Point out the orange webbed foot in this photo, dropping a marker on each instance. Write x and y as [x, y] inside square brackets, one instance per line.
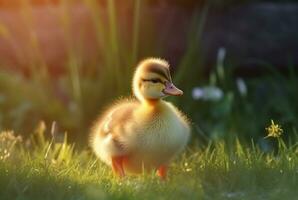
[117, 165]
[162, 172]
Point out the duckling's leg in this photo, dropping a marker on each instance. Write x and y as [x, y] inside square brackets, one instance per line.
[162, 172]
[117, 165]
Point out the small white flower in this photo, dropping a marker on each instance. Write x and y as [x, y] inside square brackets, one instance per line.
[242, 88]
[207, 93]
[197, 93]
[221, 54]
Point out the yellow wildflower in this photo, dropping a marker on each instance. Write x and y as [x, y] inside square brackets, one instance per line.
[274, 130]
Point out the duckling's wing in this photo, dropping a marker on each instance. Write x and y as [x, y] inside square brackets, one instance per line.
[113, 128]
[118, 118]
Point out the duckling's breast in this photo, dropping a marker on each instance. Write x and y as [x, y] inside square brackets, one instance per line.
[158, 141]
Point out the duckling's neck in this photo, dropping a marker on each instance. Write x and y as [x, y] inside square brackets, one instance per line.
[150, 110]
[153, 106]
[151, 102]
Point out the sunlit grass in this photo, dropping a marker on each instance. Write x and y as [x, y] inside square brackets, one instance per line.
[43, 168]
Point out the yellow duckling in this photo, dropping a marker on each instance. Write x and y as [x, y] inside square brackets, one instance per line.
[145, 133]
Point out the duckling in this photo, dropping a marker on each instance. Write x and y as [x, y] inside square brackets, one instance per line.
[144, 133]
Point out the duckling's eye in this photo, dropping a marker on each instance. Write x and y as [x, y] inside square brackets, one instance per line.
[154, 80]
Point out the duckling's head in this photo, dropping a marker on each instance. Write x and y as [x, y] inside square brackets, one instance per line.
[152, 80]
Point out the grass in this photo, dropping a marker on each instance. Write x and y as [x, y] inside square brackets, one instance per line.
[43, 168]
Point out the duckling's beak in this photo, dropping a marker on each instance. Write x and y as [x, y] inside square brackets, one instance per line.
[171, 89]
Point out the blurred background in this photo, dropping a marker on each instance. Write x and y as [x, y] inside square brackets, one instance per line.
[66, 60]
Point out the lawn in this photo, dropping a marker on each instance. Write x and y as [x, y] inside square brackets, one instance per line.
[41, 168]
